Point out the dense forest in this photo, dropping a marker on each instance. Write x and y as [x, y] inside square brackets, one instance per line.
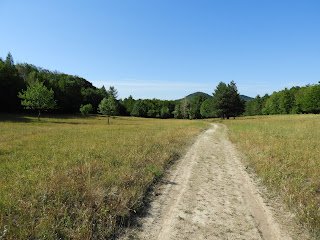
[25, 87]
[288, 101]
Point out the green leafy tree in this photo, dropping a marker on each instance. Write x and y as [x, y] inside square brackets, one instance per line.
[165, 112]
[300, 97]
[153, 113]
[86, 109]
[170, 105]
[177, 111]
[37, 97]
[254, 107]
[68, 93]
[140, 109]
[129, 104]
[249, 107]
[311, 100]
[264, 100]
[286, 101]
[257, 106]
[108, 106]
[207, 109]
[196, 106]
[91, 96]
[272, 104]
[185, 108]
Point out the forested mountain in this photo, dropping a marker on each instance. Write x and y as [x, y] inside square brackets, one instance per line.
[245, 98]
[191, 96]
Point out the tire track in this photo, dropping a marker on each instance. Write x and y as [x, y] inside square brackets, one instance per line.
[209, 195]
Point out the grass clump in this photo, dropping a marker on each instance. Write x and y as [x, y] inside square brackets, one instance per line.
[284, 151]
[76, 178]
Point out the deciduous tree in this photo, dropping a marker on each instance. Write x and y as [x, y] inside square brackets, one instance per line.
[37, 97]
[185, 108]
[196, 106]
[207, 109]
[86, 109]
[165, 112]
[177, 111]
[109, 107]
[140, 109]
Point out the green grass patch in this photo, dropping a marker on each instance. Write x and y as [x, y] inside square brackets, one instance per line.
[70, 177]
[284, 151]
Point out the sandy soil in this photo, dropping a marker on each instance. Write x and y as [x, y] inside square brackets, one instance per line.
[208, 194]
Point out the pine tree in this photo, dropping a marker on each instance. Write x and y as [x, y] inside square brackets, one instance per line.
[113, 92]
[220, 100]
[226, 100]
[9, 60]
[235, 103]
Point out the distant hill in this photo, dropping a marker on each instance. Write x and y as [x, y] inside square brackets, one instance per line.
[246, 98]
[191, 96]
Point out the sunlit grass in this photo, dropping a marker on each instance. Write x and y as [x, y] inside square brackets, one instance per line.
[285, 152]
[74, 177]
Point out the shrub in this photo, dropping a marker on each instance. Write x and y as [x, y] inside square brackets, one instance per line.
[86, 109]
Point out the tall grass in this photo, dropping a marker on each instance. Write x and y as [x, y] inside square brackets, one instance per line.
[79, 178]
[285, 152]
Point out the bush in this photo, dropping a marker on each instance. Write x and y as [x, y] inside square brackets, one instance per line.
[85, 109]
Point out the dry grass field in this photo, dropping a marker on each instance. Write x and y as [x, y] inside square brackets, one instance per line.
[285, 152]
[73, 177]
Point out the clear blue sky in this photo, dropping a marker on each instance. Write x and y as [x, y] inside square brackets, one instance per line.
[167, 49]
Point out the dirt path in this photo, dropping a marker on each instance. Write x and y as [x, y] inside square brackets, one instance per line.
[209, 195]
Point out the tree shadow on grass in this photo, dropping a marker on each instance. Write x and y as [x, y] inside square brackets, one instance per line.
[45, 118]
[5, 117]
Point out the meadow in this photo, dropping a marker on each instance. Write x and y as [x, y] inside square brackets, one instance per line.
[284, 151]
[71, 177]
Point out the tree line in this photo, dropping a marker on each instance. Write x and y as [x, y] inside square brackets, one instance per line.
[295, 100]
[25, 86]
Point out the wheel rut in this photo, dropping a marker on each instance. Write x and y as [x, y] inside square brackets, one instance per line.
[208, 194]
